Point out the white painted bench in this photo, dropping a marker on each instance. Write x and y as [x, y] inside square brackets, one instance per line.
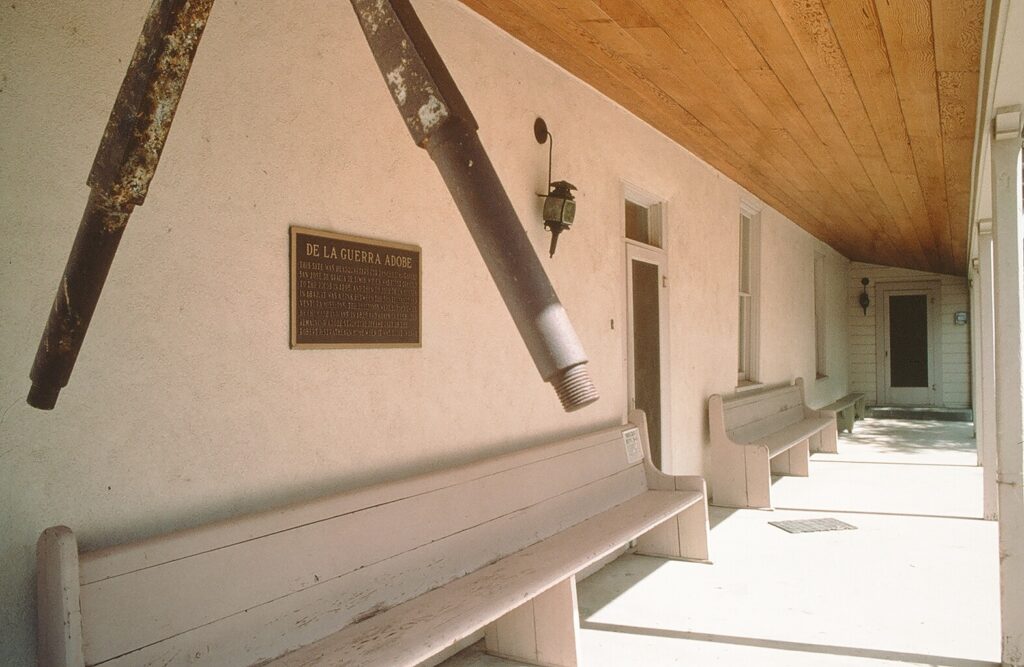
[846, 410]
[395, 574]
[759, 433]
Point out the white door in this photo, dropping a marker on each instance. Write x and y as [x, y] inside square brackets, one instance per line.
[647, 343]
[909, 345]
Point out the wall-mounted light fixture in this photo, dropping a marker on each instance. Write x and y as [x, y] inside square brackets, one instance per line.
[559, 204]
[864, 299]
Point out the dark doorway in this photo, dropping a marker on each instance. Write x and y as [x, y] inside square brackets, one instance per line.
[908, 340]
[647, 349]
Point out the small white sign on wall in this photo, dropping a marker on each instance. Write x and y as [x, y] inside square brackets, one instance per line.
[634, 449]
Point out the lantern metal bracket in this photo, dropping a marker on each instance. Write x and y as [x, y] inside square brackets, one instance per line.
[559, 204]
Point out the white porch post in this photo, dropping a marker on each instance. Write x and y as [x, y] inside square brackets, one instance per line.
[1007, 240]
[984, 344]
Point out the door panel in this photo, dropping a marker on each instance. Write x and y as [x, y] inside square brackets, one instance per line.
[908, 375]
[647, 349]
[647, 344]
[908, 340]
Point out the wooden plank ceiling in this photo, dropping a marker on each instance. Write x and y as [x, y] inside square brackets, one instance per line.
[855, 118]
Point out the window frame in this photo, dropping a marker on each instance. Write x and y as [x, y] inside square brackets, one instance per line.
[749, 300]
[656, 215]
[821, 365]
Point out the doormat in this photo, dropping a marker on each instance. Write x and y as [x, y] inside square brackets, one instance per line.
[812, 525]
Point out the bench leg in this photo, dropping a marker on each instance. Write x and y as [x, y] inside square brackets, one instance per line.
[684, 536]
[541, 631]
[847, 416]
[759, 477]
[795, 461]
[827, 439]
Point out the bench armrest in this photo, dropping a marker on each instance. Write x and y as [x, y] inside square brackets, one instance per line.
[686, 536]
[694, 483]
[656, 479]
[59, 630]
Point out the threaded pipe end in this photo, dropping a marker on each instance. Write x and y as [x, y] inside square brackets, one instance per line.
[43, 397]
[574, 388]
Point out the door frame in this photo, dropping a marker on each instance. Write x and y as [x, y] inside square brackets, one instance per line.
[932, 289]
[651, 255]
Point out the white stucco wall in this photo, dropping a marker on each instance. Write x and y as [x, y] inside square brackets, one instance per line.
[954, 349]
[187, 405]
[787, 310]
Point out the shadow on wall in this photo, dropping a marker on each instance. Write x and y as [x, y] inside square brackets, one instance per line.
[270, 500]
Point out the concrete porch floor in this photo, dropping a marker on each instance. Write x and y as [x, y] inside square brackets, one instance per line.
[916, 583]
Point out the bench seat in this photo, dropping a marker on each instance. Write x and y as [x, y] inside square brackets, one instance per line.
[392, 574]
[760, 433]
[438, 619]
[846, 411]
[792, 435]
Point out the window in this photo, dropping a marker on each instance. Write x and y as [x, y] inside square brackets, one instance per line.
[643, 222]
[748, 298]
[820, 326]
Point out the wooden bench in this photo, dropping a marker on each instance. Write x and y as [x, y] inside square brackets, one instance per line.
[757, 434]
[392, 574]
[846, 410]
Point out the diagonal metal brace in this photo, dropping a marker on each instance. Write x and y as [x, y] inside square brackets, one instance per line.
[121, 173]
[440, 121]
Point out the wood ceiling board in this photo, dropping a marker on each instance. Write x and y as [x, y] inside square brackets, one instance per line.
[687, 49]
[794, 102]
[761, 151]
[584, 10]
[689, 85]
[765, 28]
[859, 35]
[836, 199]
[619, 40]
[755, 178]
[626, 13]
[768, 88]
[811, 29]
[907, 29]
[757, 174]
[633, 91]
[958, 93]
[720, 25]
[957, 25]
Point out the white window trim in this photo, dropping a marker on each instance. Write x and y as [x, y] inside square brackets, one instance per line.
[657, 211]
[751, 208]
[821, 323]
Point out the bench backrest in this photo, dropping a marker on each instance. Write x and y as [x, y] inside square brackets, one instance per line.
[749, 416]
[247, 590]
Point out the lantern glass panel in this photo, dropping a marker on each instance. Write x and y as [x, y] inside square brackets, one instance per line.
[561, 210]
[568, 212]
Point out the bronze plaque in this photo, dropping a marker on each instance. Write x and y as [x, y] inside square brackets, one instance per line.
[348, 291]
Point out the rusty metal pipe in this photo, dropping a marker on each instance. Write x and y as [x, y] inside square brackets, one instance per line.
[91, 256]
[440, 121]
[121, 173]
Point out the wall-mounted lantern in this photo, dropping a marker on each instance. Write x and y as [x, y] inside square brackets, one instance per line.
[864, 299]
[559, 204]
